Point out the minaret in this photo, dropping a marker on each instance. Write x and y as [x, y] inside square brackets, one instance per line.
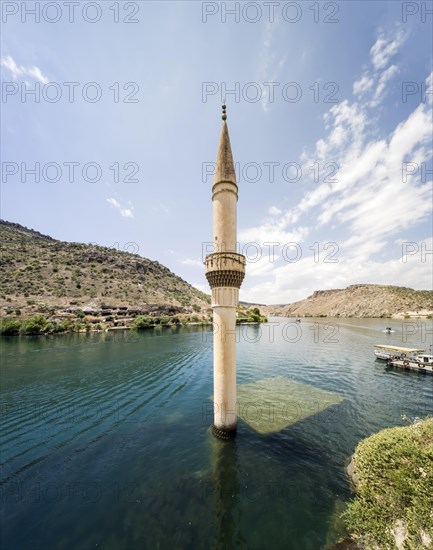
[225, 271]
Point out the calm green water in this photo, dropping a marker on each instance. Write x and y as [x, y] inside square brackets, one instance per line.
[106, 443]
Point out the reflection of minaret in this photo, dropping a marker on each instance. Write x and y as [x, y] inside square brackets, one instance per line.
[225, 271]
[225, 492]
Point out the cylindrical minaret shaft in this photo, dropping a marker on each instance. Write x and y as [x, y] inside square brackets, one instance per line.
[225, 270]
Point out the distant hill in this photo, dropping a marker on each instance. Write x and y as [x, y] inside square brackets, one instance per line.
[363, 300]
[39, 273]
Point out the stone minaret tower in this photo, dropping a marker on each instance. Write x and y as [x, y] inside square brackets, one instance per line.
[225, 271]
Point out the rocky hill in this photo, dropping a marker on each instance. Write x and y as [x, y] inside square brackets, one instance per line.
[362, 300]
[40, 274]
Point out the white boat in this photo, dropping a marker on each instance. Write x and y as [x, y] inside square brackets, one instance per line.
[386, 352]
[405, 358]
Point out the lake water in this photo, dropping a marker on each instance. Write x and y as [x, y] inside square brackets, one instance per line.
[106, 441]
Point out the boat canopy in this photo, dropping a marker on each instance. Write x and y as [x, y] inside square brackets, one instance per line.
[397, 348]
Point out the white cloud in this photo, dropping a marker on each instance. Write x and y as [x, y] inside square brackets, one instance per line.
[124, 212]
[274, 211]
[18, 71]
[363, 85]
[192, 262]
[385, 48]
[381, 84]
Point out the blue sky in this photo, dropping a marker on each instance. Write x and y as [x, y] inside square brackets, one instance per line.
[334, 182]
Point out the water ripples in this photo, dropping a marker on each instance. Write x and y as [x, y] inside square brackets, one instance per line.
[130, 409]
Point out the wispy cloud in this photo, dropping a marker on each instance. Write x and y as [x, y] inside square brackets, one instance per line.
[19, 71]
[160, 207]
[385, 48]
[371, 87]
[124, 212]
[270, 64]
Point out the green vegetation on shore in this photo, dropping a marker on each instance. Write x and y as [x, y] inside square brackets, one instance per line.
[393, 507]
[249, 315]
[80, 322]
[38, 324]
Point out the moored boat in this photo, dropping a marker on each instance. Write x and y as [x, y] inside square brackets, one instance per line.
[385, 352]
[413, 359]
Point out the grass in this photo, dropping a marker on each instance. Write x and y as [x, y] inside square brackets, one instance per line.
[395, 472]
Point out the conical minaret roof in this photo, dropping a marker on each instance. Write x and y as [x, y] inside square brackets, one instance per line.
[225, 169]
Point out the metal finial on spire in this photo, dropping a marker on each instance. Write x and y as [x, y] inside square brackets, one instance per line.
[224, 117]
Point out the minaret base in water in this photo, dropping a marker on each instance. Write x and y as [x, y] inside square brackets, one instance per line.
[225, 271]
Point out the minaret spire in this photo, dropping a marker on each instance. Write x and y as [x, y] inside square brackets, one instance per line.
[225, 270]
[225, 168]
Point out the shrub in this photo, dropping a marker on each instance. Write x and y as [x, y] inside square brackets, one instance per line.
[10, 327]
[35, 325]
[142, 322]
[395, 472]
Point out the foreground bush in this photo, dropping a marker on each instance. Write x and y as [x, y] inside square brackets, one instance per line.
[394, 502]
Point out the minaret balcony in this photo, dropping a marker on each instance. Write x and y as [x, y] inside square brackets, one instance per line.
[225, 269]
